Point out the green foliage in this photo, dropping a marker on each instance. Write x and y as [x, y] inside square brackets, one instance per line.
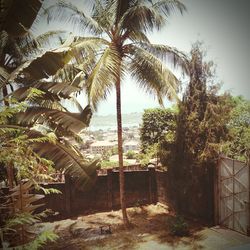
[41, 239]
[157, 125]
[22, 145]
[201, 132]
[28, 144]
[178, 226]
[131, 154]
[112, 164]
[150, 153]
[238, 146]
[119, 44]
[114, 150]
[202, 121]
[50, 190]
[106, 154]
[26, 162]
[17, 215]
[34, 93]
[22, 219]
[20, 161]
[109, 164]
[7, 112]
[42, 106]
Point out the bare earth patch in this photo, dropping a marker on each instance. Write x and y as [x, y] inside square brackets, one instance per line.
[149, 231]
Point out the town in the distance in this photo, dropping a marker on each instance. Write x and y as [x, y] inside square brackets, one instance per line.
[100, 140]
[103, 144]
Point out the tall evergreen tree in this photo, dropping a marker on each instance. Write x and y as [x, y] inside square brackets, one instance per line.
[201, 128]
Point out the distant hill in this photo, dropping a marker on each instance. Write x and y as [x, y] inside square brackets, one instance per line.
[109, 121]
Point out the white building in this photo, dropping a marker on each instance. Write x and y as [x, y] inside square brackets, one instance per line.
[130, 145]
[99, 147]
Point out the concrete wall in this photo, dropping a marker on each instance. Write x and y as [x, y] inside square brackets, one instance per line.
[140, 188]
[161, 182]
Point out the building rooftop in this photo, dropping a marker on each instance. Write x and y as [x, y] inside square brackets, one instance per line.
[131, 143]
[103, 143]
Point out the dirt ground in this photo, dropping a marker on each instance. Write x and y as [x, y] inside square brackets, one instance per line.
[149, 231]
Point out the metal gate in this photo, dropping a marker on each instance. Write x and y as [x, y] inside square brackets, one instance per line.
[233, 195]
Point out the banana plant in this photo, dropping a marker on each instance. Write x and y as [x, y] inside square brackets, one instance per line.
[25, 68]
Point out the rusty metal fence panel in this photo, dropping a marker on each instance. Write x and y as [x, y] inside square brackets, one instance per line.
[233, 195]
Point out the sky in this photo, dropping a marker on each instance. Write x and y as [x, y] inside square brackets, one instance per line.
[224, 28]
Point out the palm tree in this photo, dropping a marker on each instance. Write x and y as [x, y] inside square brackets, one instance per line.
[119, 45]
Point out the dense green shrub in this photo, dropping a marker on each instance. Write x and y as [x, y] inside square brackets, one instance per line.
[131, 154]
[157, 125]
[178, 226]
[238, 146]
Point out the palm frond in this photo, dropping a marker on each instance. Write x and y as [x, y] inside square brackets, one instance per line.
[141, 18]
[145, 15]
[45, 38]
[152, 75]
[37, 43]
[138, 37]
[103, 77]
[6, 129]
[69, 13]
[89, 44]
[122, 7]
[84, 50]
[50, 102]
[168, 6]
[104, 14]
[78, 79]
[171, 54]
[51, 96]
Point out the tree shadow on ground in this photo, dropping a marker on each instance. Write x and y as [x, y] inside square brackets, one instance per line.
[149, 226]
[158, 224]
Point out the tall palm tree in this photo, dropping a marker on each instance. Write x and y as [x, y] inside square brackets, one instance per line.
[119, 45]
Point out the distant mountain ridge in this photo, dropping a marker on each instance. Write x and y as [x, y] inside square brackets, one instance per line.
[109, 121]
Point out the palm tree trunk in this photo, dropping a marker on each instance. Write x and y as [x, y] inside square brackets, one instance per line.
[120, 154]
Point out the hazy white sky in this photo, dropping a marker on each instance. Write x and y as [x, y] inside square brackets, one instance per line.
[223, 25]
